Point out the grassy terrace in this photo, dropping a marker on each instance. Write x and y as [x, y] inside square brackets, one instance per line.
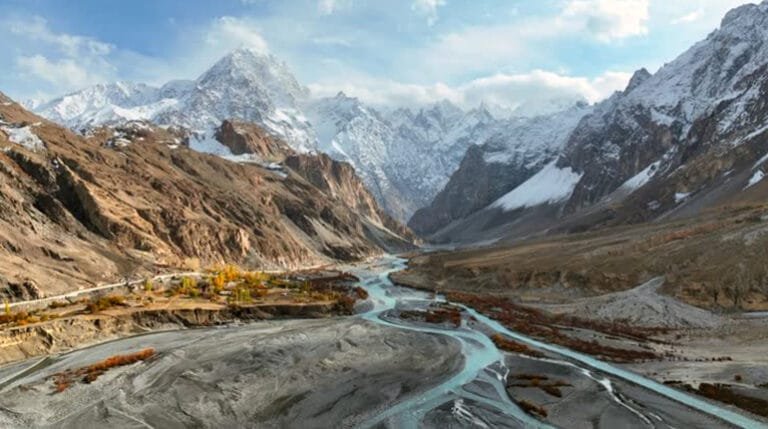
[218, 288]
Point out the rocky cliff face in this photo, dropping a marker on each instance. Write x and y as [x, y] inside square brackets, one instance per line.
[337, 179]
[246, 138]
[707, 102]
[690, 137]
[78, 210]
[505, 160]
[404, 157]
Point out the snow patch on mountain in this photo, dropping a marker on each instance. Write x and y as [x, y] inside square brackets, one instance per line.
[681, 196]
[755, 179]
[207, 143]
[23, 136]
[550, 185]
[641, 178]
[761, 161]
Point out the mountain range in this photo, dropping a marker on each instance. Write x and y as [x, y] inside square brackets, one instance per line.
[671, 144]
[404, 156]
[690, 137]
[131, 198]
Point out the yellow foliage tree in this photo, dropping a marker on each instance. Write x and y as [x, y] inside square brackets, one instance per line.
[189, 286]
[231, 273]
[218, 282]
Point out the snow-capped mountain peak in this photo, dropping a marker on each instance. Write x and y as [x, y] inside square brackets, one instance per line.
[245, 84]
[246, 67]
[91, 105]
[637, 79]
[177, 88]
[404, 156]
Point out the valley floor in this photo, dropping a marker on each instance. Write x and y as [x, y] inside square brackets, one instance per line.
[309, 374]
[716, 354]
[406, 358]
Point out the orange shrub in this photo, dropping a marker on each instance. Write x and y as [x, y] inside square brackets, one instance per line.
[513, 346]
[94, 306]
[63, 380]
[532, 408]
[361, 293]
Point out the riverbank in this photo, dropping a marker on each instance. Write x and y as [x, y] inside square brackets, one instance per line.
[217, 298]
[70, 333]
[641, 329]
[293, 373]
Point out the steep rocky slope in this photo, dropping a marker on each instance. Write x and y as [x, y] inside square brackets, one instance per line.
[404, 157]
[507, 159]
[337, 179]
[714, 260]
[690, 137]
[79, 210]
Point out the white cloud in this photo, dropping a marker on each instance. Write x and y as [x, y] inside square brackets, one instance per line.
[65, 73]
[507, 91]
[227, 33]
[513, 89]
[690, 17]
[37, 29]
[608, 20]
[331, 41]
[48, 61]
[428, 8]
[471, 49]
[329, 7]
[494, 47]
[326, 7]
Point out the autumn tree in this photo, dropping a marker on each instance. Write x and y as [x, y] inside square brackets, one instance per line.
[218, 282]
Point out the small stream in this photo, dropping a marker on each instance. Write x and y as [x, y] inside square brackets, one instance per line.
[482, 380]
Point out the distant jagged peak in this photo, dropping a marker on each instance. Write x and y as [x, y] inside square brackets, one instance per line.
[444, 108]
[343, 101]
[113, 92]
[482, 113]
[247, 65]
[541, 107]
[637, 79]
[123, 88]
[247, 56]
[341, 95]
[340, 104]
[250, 60]
[176, 88]
[745, 15]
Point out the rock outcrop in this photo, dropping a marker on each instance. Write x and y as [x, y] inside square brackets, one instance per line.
[78, 210]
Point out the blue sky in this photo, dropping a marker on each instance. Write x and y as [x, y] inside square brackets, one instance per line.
[386, 52]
